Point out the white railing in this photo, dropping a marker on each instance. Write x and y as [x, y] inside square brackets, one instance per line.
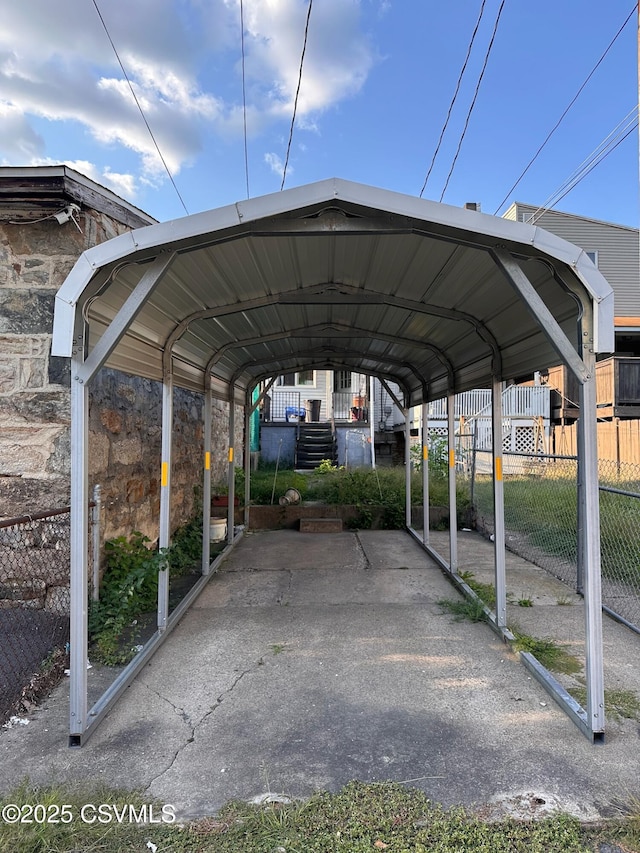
[527, 401]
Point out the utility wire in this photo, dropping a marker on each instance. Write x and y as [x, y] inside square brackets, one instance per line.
[244, 98]
[475, 96]
[622, 130]
[295, 103]
[561, 119]
[144, 118]
[453, 99]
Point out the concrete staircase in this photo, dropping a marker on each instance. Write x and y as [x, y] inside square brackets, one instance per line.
[316, 442]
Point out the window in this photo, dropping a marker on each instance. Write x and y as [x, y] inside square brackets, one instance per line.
[303, 377]
[593, 256]
[342, 380]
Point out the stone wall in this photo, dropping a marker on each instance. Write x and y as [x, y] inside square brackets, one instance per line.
[125, 429]
[125, 451]
[35, 258]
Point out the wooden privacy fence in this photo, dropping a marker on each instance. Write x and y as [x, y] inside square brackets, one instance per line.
[618, 441]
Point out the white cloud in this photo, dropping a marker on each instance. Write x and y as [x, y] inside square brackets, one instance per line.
[275, 164]
[337, 60]
[182, 57]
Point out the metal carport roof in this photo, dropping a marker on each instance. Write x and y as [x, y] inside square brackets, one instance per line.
[334, 274]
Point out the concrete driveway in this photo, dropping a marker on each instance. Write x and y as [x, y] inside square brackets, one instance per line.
[314, 659]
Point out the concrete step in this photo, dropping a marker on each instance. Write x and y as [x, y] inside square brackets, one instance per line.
[320, 525]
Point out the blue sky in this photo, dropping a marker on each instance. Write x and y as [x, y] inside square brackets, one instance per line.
[378, 79]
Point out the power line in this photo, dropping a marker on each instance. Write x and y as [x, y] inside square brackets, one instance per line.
[475, 96]
[453, 99]
[295, 103]
[144, 118]
[244, 98]
[571, 103]
[620, 132]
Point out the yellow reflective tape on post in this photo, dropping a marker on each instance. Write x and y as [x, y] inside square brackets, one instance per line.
[452, 459]
[231, 454]
[425, 452]
[207, 461]
[164, 476]
[498, 468]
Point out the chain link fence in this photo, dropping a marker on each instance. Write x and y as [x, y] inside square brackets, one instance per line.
[34, 607]
[541, 520]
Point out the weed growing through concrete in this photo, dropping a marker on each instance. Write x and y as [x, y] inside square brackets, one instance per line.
[550, 654]
[485, 591]
[618, 704]
[463, 609]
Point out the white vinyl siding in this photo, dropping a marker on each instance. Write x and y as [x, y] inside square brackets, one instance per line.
[615, 248]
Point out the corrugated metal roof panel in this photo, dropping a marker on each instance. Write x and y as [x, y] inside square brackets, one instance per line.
[275, 284]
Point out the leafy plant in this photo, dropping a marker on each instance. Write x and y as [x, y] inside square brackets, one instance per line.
[327, 465]
[129, 587]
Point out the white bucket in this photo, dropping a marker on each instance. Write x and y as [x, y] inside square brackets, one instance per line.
[217, 529]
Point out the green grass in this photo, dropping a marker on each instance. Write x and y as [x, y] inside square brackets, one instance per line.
[550, 654]
[463, 609]
[618, 704]
[544, 511]
[485, 591]
[360, 818]
[383, 489]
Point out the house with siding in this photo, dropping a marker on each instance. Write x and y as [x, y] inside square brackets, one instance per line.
[614, 249]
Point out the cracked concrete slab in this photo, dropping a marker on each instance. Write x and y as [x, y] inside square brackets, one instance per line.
[310, 660]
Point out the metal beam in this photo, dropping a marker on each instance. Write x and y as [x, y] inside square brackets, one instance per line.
[407, 465]
[206, 482]
[79, 634]
[453, 501]
[590, 552]
[498, 505]
[425, 473]
[164, 538]
[126, 315]
[231, 467]
[547, 322]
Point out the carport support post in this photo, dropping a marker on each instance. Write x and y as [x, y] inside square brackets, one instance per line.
[425, 473]
[590, 533]
[407, 464]
[249, 408]
[206, 482]
[453, 504]
[231, 471]
[79, 636]
[165, 499]
[498, 505]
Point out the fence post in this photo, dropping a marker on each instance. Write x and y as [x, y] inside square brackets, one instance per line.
[95, 540]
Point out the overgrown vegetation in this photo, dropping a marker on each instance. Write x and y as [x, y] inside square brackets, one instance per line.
[379, 494]
[129, 588]
[357, 819]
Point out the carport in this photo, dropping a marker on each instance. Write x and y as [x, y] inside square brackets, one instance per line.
[333, 275]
